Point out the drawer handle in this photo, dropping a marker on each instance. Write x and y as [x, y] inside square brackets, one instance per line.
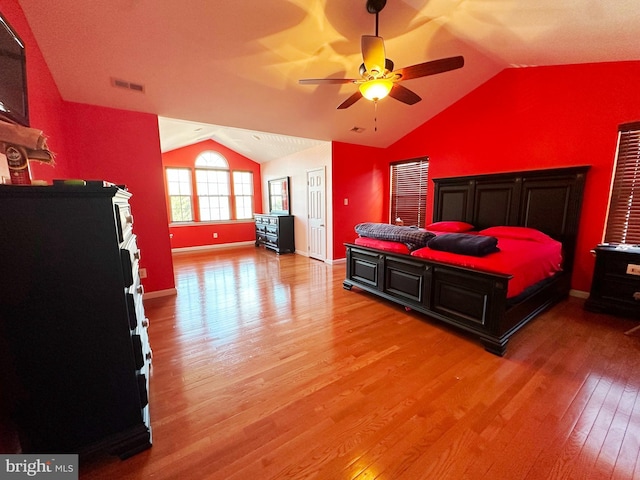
[129, 219]
[136, 255]
[145, 322]
[149, 356]
[140, 289]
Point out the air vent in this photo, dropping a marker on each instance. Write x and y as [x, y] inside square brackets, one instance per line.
[136, 87]
[357, 129]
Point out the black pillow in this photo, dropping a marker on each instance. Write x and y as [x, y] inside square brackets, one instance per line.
[465, 244]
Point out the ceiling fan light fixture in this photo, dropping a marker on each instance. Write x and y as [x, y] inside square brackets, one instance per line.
[376, 89]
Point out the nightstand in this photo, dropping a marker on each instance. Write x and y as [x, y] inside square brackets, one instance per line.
[616, 281]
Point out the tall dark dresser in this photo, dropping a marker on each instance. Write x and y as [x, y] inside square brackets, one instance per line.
[72, 319]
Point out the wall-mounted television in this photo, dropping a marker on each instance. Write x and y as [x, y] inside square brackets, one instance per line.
[13, 76]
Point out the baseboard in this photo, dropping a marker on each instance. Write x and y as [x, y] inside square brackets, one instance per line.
[306, 254]
[336, 261]
[200, 248]
[579, 294]
[160, 293]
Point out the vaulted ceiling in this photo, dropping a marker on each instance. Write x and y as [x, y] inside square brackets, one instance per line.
[229, 70]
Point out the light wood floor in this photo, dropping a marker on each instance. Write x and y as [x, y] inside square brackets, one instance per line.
[264, 368]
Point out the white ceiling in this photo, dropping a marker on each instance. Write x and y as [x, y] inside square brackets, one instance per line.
[212, 65]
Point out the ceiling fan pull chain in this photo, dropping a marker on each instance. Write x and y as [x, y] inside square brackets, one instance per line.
[375, 116]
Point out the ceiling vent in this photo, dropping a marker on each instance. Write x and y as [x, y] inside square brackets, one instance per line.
[136, 87]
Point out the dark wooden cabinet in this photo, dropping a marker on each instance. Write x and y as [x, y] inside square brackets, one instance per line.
[72, 320]
[275, 232]
[616, 281]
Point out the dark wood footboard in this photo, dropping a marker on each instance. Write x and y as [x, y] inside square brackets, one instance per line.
[471, 300]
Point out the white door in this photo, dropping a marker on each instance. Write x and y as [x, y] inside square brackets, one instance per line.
[317, 231]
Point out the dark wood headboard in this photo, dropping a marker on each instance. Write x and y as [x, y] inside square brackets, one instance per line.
[547, 200]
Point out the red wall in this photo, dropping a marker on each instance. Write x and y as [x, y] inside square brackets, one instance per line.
[228, 232]
[361, 175]
[532, 118]
[123, 147]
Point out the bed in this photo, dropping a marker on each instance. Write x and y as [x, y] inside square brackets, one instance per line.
[487, 302]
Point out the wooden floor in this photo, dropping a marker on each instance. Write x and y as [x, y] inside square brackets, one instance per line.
[264, 368]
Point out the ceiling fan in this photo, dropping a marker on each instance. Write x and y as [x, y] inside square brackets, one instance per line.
[379, 79]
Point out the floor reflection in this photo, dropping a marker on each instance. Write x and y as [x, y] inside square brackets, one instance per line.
[224, 293]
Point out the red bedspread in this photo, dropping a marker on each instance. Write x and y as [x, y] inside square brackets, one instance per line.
[386, 245]
[528, 261]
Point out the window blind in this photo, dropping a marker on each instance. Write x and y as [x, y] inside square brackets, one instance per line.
[623, 219]
[409, 181]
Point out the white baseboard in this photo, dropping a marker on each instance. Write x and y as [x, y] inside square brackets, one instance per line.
[160, 293]
[217, 246]
[337, 261]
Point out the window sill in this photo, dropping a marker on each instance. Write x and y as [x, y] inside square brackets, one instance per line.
[213, 222]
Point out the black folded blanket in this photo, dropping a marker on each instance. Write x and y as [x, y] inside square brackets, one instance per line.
[412, 237]
[465, 244]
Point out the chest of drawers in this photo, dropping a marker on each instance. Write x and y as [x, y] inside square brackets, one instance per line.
[72, 320]
[275, 232]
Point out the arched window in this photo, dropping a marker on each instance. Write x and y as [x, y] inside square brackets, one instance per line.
[213, 186]
[221, 194]
[211, 159]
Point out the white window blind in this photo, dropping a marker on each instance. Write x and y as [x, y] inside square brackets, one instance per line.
[409, 181]
[623, 219]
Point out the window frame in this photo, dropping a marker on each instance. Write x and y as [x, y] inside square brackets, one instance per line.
[210, 160]
[170, 196]
[416, 213]
[236, 195]
[220, 200]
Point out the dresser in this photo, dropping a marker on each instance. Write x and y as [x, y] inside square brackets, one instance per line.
[275, 232]
[72, 320]
[616, 281]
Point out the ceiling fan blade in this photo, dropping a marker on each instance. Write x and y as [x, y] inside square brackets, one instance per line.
[373, 54]
[430, 68]
[318, 81]
[350, 101]
[404, 94]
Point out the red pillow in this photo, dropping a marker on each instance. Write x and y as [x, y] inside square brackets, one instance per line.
[450, 226]
[518, 233]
